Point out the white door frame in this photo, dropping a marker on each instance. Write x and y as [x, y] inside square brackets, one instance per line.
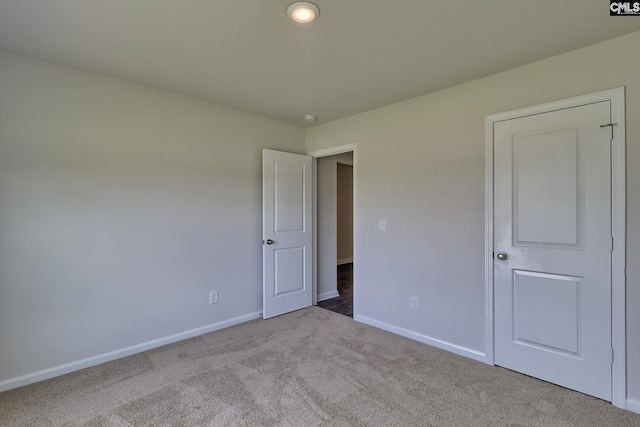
[618, 227]
[324, 153]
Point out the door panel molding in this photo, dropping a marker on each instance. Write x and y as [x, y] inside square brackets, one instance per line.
[618, 220]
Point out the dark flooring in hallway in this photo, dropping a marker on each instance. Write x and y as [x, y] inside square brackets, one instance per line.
[342, 304]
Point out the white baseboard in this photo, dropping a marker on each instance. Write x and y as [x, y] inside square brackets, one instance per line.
[345, 261]
[434, 342]
[633, 405]
[328, 295]
[46, 374]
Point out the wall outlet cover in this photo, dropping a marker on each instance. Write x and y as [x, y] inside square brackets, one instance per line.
[213, 297]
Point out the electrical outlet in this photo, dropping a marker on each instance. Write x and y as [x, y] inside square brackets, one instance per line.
[213, 297]
[415, 303]
[382, 225]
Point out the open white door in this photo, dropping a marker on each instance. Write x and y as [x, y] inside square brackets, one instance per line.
[286, 232]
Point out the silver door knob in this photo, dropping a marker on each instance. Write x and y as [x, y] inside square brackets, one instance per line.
[270, 242]
[502, 256]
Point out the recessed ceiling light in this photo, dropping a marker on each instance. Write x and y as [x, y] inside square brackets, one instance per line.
[303, 11]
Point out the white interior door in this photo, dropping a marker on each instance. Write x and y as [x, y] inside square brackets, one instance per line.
[552, 243]
[287, 232]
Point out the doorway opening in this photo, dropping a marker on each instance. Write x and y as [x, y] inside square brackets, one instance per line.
[343, 303]
[336, 268]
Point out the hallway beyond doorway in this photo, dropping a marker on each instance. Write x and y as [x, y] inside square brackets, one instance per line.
[343, 303]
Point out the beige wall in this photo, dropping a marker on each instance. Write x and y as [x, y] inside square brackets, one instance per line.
[121, 208]
[344, 209]
[421, 166]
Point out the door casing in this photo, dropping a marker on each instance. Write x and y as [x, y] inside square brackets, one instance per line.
[618, 221]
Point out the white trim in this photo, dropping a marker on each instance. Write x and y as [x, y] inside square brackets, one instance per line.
[46, 374]
[328, 295]
[314, 245]
[633, 405]
[333, 150]
[618, 256]
[330, 152]
[488, 242]
[434, 342]
[618, 209]
[344, 261]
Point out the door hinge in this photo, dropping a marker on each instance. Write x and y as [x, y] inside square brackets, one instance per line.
[612, 246]
[611, 355]
[611, 125]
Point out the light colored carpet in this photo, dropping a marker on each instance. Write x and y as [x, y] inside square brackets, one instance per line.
[308, 368]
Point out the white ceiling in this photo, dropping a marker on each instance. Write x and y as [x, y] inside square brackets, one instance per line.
[248, 55]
